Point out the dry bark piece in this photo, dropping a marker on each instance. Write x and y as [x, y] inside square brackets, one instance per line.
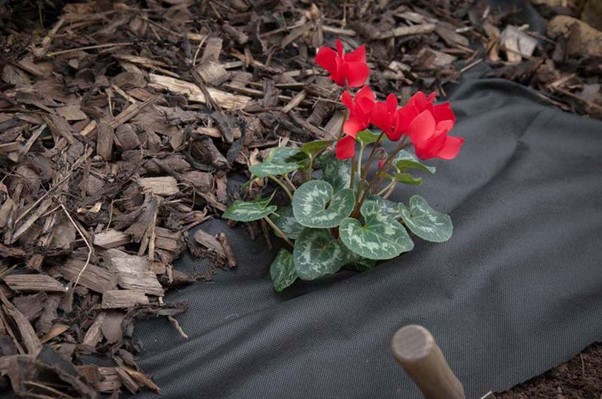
[93, 277]
[583, 39]
[33, 282]
[104, 141]
[123, 299]
[163, 186]
[111, 239]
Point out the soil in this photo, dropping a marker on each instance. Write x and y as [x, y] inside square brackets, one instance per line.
[121, 123]
[579, 378]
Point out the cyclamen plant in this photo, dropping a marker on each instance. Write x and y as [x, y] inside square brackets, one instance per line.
[344, 218]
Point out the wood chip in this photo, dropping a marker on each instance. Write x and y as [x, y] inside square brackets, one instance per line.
[33, 282]
[123, 299]
[93, 277]
[163, 186]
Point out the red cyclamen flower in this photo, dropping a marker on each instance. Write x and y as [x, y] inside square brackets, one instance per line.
[345, 69]
[385, 116]
[428, 126]
[360, 109]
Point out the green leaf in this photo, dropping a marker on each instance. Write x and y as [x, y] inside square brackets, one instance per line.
[381, 236]
[407, 178]
[287, 223]
[266, 169]
[426, 222]
[336, 172]
[282, 270]
[358, 263]
[244, 211]
[314, 147]
[317, 253]
[388, 207]
[314, 204]
[283, 155]
[367, 137]
[406, 160]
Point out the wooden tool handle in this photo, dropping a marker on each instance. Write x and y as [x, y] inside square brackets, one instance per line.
[416, 350]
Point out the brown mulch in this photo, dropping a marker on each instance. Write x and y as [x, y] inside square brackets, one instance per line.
[122, 122]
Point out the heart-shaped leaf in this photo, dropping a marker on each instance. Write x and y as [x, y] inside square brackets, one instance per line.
[358, 263]
[406, 160]
[266, 169]
[282, 155]
[388, 207]
[317, 253]
[367, 137]
[247, 211]
[314, 204]
[426, 222]
[336, 172]
[381, 236]
[314, 147]
[407, 178]
[282, 270]
[287, 223]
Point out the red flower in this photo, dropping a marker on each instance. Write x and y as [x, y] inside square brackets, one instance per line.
[428, 126]
[386, 117]
[360, 110]
[345, 148]
[345, 69]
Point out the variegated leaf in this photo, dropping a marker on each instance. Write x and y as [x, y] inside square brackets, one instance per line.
[380, 237]
[315, 205]
[426, 222]
[287, 223]
[336, 172]
[266, 169]
[388, 207]
[281, 155]
[405, 160]
[282, 270]
[314, 147]
[245, 211]
[317, 253]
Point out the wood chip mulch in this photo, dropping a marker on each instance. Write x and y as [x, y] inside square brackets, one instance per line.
[123, 123]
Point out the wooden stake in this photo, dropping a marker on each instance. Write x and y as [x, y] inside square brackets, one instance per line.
[416, 350]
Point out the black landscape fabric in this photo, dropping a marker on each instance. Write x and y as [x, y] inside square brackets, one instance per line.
[516, 291]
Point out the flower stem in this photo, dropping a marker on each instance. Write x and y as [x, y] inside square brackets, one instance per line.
[375, 146]
[289, 182]
[387, 188]
[352, 180]
[286, 190]
[279, 232]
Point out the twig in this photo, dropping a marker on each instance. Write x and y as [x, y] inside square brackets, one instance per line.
[278, 231]
[88, 48]
[90, 249]
[176, 325]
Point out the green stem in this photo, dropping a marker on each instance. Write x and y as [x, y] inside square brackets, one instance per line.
[388, 193]
[388, 187]
[359, 160]
[371, 156]
[352, 180]
[286, 190]
[290, 182]
[279, 232]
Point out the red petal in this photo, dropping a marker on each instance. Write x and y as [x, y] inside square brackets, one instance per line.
[405, 116]
[391, 102]
[347, 99]
[340, 50]
[345, 148]
[420, 101]
[352, 126]
[365, 94]
[357, 55]
[422, 128]
[451, 148]
[326, 58]
[380, 116]
[357, 74]
[444, 112]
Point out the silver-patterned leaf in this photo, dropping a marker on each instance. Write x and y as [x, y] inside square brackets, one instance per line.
[266, 169]
[405, 160]
[287, 223]
[282, 270]
[245, 211]
[380, 237]
[317, 253]
[280, 155]
[390, 208]
[426, 222]
[336, 172]
[315, 205]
